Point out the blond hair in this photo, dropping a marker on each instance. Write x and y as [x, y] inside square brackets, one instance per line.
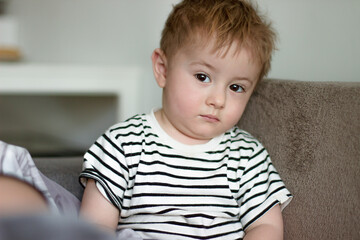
[228, 21]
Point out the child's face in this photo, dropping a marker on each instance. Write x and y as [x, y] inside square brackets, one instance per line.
[204, 92]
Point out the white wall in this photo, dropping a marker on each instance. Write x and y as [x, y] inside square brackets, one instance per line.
[319, 39]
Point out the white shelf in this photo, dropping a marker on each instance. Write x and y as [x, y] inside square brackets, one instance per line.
[57, 79]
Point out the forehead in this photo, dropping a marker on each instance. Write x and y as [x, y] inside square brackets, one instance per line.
[210, 46]
[204, 42]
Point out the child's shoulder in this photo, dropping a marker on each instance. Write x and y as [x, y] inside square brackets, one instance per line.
[242, 137]
[133, 124]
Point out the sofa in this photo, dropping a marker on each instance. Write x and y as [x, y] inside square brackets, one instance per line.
[312, 132]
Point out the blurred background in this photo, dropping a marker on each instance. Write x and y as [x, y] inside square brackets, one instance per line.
[60, 52]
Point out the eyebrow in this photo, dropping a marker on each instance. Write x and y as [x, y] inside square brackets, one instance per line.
[203, 63]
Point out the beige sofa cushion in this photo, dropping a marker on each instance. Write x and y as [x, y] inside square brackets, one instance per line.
[312, 132]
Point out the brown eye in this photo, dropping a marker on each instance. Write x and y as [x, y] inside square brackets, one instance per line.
[236, 88]
[202, 77]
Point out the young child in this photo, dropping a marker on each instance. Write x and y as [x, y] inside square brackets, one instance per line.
[184, 171]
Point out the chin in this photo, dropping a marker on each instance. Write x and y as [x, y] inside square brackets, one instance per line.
[205, 137]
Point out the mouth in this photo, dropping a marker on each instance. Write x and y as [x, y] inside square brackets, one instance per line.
[210, 118]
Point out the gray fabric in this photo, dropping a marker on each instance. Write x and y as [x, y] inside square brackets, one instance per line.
[63, 170]
[65, 201]
[17, 162]
[46, 227]
[312, 132]
[56, 227]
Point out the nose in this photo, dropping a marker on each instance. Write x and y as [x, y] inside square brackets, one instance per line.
[216, 98]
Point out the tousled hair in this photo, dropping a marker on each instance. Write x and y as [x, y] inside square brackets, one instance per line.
[226, 21]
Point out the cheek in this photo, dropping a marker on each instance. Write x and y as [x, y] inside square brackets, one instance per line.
[234, 116]
[187, 100]
[234, 112]
[186, 96]
[176, 100]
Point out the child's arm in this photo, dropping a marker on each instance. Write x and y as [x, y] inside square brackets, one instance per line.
[97, 209]
[269, 226]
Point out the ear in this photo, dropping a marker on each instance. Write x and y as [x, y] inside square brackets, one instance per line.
[159, 64]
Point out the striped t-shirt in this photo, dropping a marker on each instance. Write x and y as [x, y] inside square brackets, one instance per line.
[167, 190]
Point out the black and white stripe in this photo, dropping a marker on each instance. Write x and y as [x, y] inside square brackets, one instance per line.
[166, 190]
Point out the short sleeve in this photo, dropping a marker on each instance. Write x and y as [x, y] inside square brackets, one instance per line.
[261, 187]
[105, 163]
